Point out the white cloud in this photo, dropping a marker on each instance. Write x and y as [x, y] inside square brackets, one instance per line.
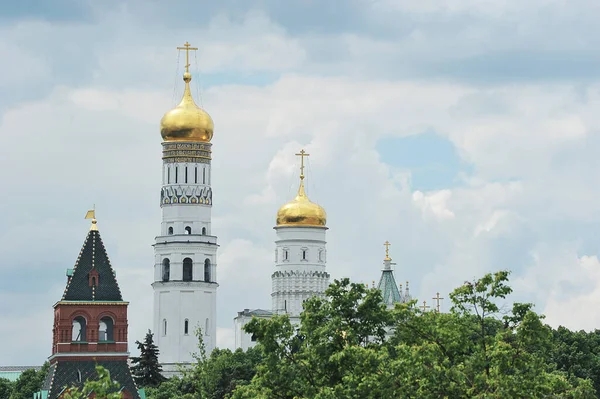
[434, 204]
[532, 148]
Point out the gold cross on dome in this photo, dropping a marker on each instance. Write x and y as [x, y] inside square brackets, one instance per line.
[424, 306]
[437, 299]
[387, 250]
[302, 154]
[187, 49]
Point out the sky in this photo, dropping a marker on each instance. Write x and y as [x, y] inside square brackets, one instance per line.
[465, 132]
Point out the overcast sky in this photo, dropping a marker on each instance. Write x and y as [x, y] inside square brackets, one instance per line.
[464, 132]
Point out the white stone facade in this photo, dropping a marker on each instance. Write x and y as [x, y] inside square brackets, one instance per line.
[300, 267]
[300, 273]
[185, 267]
[243, 340]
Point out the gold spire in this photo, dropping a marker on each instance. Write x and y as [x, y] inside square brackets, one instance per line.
[301, 211]
[187, 121]
[387, 250]
[91, 214]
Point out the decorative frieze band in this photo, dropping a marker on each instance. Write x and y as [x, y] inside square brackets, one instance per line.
[186, 195]
[186, 152]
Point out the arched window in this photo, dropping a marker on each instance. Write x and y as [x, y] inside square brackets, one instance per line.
[79, 375]
[204, 231]
[285, 254]
[186, 326]
[176, 173]
[188, 267]
[105, 332]
[206, 327]
[196, 175]
[170, 230]
[320, 255]
[188, 230]
[164, 327]
[166, 269]
[203, 175]
[168, 175]
[304, 254]
[186, 174]
[207, 270]
[78, 331]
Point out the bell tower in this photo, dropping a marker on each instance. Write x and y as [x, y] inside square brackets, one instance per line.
[300, 252]
[185, 280]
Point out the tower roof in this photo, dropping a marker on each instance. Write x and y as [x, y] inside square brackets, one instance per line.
[301, 211]
[389, 288]
[387, 283]
[187, 121]
[92, 278]
[75, 372]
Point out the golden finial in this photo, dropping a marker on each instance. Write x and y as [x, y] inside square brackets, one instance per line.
[187, 49]
[187, 121]
[437, 298]
[91, 214]
[387, 250]
[424, 307]
[301, 211]
[302, 154]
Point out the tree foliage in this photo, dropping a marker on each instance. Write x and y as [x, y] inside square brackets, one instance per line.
[146, 369]
[211, 377]
[6, 388]
[577, 354]
[349, 345]
[102, 388]
[28, 383]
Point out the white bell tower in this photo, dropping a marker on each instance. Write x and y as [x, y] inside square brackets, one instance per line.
[185, 278]
[300, 252]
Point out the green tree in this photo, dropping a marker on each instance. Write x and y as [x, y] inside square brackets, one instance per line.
[577, 353]
[103, 387]
[173, 388]
[337, 349]
[6, 388]
[29, 382]
[348, 345]
[146, 369]
[211, 377]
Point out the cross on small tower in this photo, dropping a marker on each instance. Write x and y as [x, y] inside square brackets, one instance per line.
[302, 154]
[187, 49]
[424, 307]
[387, 250]
[437, 299]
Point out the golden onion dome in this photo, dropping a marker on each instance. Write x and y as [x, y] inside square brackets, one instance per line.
[301, 211]
[187, 121]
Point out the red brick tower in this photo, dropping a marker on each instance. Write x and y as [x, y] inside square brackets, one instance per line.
[90, 325]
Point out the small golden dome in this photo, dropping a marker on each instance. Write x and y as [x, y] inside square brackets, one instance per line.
[301, 211]
[187, 121]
